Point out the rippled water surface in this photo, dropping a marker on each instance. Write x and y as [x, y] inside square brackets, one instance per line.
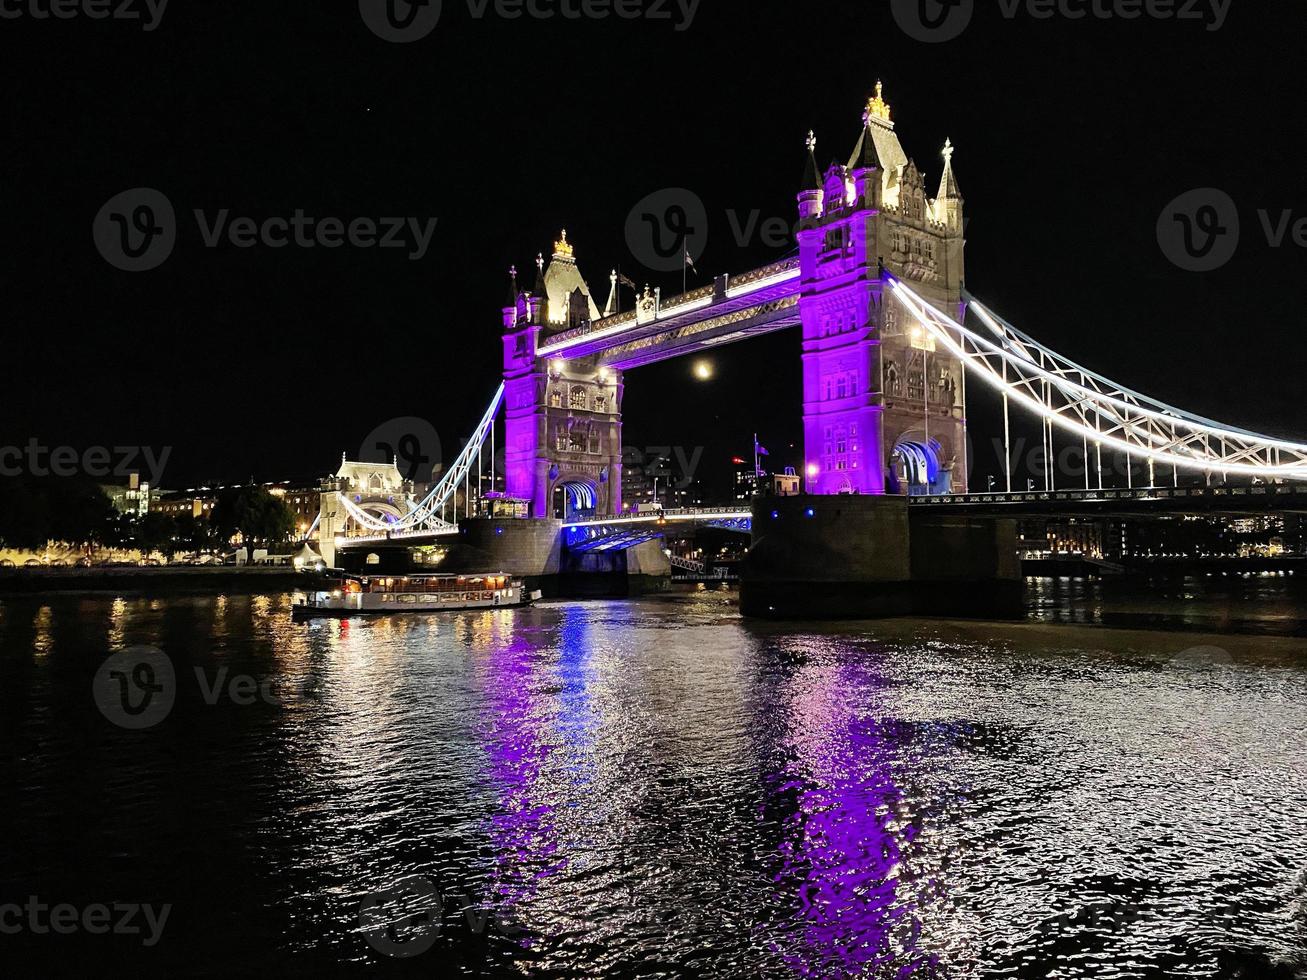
[654, 789]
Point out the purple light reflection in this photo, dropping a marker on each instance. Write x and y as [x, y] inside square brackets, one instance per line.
[524, 726]
[843, 840]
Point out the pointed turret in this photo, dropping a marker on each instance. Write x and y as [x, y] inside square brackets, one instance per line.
[948, 183]
[558, 284]
[540, 289]
[811, 176]
[877, 149]
[947, 206]
[610, 307]
[510, 311]
[810, 195]
[537, 301]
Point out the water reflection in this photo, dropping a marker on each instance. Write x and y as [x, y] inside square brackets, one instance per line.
[660, 789]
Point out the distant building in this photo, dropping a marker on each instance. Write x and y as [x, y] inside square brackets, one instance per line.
[748, 481]
[186, 503]
[132, 500]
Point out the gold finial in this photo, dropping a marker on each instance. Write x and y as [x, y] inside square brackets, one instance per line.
[948, 151]
[877, 107]
[811, 142]
[562, 247]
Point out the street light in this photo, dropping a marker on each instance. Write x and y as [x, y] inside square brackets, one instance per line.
[703, 370]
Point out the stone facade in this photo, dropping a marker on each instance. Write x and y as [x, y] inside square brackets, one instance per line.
[563, 418]
[884, 411]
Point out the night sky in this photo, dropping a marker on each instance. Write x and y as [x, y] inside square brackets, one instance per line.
[1072, 136]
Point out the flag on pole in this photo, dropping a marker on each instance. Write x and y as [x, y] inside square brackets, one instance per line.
[759, 448]
[689, 261]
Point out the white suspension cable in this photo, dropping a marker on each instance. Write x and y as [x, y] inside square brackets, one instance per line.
[1075, 401]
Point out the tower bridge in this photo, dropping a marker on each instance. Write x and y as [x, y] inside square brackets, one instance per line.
[890, 339]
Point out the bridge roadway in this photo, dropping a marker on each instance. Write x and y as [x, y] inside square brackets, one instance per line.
[610, 533]
[1138, 502]
[733, 308]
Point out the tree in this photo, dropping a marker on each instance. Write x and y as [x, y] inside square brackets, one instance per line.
[195, 534]
[157, 532]
[256, 515]
[37, 510]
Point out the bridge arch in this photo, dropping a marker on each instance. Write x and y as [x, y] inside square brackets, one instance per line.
[920, 466]
[574, 499]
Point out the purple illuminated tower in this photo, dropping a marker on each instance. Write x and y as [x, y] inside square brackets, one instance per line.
[883, 410]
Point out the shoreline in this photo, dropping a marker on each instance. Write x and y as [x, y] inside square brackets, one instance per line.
[164, 580]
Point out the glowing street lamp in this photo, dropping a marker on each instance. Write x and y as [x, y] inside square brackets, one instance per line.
[703, 370]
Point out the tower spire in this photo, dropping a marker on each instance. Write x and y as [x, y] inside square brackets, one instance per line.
[877, 107]
[948, 182]
[811, 177]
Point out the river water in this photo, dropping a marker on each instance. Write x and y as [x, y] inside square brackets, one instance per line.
[654, 788]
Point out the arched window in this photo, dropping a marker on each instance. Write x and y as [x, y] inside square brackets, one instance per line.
[577, 400]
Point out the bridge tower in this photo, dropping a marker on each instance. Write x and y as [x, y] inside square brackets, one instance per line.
[563, 418]
[884, 411]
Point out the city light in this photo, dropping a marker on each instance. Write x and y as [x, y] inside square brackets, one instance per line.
[703, 370]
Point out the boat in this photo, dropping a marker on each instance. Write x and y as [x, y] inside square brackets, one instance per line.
[352, 595]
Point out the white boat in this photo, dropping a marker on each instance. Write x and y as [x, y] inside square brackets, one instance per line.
[380, 594]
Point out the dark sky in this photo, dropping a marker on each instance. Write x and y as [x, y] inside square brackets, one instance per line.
[1072, 136]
